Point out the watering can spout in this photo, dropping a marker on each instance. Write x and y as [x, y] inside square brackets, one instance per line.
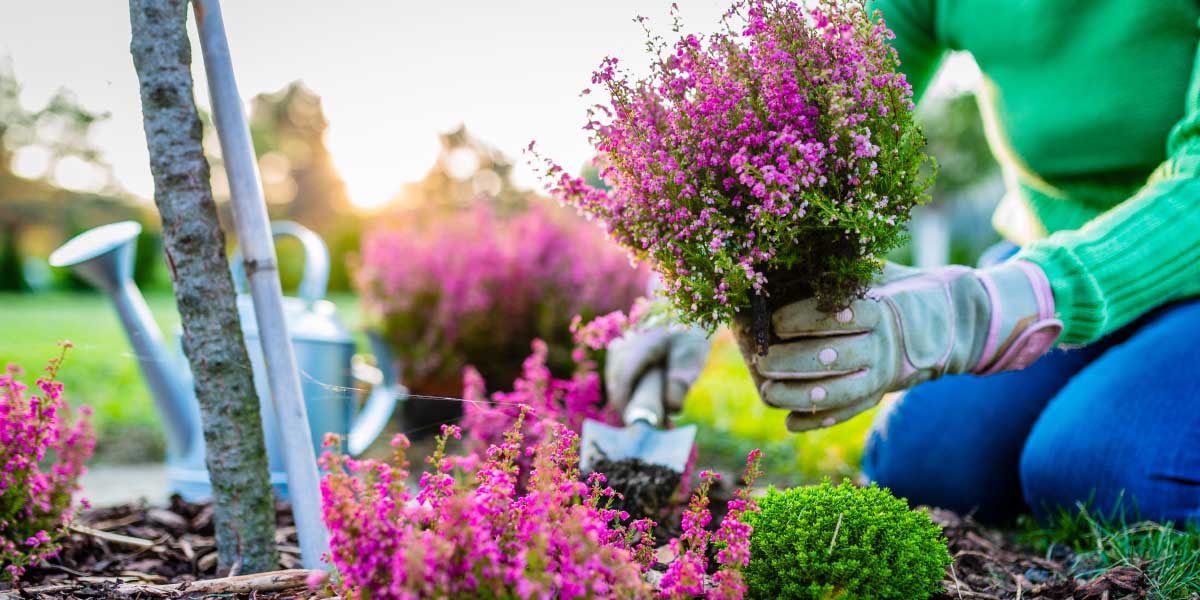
[104, 258]
[323, 347]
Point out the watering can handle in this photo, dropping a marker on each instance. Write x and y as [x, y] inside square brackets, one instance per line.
[381, 401]
[314, 280]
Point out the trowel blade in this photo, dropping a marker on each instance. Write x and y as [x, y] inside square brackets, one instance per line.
[670, 448]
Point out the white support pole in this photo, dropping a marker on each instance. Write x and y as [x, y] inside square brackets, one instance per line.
[258, 251]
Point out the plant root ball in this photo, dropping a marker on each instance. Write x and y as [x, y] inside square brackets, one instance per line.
[647, 488]
[840, 542]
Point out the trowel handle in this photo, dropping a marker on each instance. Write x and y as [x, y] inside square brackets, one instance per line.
[646, 404]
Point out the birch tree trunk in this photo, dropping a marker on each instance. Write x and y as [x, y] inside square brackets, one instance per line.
[195, 250]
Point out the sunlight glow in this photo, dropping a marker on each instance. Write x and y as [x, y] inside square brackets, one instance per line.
[391, 75]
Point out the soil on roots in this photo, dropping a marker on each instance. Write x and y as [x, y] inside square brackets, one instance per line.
[657, 493]
[646, 490]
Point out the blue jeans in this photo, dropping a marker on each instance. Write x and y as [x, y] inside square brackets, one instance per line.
[1113, 424]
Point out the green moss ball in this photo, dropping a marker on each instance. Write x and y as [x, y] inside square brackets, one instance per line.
[882, 549]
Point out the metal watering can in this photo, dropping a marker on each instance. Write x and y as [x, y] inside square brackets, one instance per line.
[324, 351]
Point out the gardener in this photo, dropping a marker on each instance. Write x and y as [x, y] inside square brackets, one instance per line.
[1095, 115]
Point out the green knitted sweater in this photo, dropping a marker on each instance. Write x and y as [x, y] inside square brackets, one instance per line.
[1093, 109]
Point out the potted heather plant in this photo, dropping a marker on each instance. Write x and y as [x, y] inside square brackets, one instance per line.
[772, 161]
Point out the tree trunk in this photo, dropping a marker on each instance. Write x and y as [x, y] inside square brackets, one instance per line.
[195, 249]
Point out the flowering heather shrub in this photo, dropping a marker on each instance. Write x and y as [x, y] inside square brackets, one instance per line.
[448, 289]
[828, 541]
[472, 532]
[685, 576]
[42, 454]
[774, 160]
[475, 535]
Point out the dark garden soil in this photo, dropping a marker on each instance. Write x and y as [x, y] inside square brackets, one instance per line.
[646, 490]
[653, 491]
[135, 551]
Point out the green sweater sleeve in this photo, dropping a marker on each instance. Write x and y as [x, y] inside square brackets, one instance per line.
[914, 23]
[1139, 254]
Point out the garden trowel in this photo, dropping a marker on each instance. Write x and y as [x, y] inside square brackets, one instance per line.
[642, 437]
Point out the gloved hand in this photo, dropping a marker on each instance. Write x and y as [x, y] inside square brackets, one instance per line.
[912, 327]
[682, 351]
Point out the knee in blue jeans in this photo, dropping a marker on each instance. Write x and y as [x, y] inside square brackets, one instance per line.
[1041, 483]
[1060, 472]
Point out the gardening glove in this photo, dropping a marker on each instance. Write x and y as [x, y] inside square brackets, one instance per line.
[914, 326]
[682, 351]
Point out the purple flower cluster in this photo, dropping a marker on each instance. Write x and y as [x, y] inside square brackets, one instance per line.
[778, 157]
[475, 287]
[471, 529]
[600, 331]
[475, 535]
[41, 459]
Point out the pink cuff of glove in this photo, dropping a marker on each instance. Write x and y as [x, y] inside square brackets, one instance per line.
[1032, 340]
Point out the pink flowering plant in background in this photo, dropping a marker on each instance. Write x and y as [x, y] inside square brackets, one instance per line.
[773, 160]
[42, 454]
[471, 530]
[476, 286]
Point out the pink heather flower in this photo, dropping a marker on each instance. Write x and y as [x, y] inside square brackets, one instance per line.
[473, 533]
[750, 162]
[41, 459]
[733, 536]
[476, 286]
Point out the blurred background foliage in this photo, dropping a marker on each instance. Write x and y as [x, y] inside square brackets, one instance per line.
[46, 157]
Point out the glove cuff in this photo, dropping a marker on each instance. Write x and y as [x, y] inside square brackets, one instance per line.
[1031, 336]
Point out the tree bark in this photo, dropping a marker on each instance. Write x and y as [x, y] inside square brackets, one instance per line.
[195, 250]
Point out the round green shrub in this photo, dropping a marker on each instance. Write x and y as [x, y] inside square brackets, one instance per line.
[882, 549]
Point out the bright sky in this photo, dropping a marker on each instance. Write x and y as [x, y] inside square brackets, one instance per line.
[392, 74]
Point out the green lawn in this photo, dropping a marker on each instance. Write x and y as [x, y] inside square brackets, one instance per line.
[101, 369]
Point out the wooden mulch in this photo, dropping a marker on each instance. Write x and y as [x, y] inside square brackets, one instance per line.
[990, 565]
[136, 551]
[140, 551]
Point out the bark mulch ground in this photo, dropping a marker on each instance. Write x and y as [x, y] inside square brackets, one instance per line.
[990, 565]
[140, 551]
[136, 551]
